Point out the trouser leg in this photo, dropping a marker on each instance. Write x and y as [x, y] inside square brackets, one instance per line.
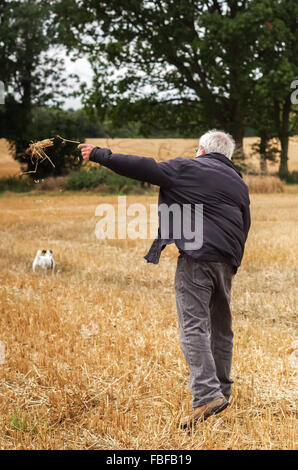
[221, 327]
[193, 289]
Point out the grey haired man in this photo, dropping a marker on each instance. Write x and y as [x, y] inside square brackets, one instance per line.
[205, 272]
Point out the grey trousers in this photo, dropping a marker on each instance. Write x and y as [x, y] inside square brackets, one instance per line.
[203, 291]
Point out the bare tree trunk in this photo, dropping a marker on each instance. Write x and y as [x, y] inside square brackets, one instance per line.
[284, 138]
[263, 158]
[238, 132]
[283, 165]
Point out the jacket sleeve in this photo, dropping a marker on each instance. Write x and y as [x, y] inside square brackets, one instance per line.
[246, 219]
[132, 166]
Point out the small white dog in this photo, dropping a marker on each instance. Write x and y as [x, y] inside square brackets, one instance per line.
[44, 259]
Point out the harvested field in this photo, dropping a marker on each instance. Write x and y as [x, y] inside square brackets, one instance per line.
[8, 166]
[161, 149]
[91, 356]
[264, 184]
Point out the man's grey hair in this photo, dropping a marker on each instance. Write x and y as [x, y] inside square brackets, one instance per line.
[217, 141]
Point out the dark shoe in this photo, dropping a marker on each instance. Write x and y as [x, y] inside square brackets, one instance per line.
[201, 413]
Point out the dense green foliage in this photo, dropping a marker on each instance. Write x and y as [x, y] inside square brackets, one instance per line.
[291, 177]
[191, 65]
[100, 178]
[161, 68]
[95, 179]
[16, 184]
[34, 77]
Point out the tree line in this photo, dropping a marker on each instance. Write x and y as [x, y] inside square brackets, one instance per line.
[176, 67]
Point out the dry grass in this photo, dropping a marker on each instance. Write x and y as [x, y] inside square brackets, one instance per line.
[161, 149]
[264, 184]
[92, 356]
[37, 153]
[8, 166]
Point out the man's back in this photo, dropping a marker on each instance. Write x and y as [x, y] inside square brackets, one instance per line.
[213, 181]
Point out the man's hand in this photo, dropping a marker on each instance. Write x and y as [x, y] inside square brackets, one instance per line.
[86, 149]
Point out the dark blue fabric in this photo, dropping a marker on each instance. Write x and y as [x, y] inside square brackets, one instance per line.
[211, 180]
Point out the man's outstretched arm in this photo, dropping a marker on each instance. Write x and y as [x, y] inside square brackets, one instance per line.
[132, 166]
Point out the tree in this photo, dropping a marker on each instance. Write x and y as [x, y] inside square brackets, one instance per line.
[32, 74]
[195, 55]
[272, 112]
[192, 65]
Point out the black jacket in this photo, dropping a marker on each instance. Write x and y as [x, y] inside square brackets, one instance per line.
[211, 180]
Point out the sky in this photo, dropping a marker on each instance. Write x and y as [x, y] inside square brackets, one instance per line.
[82, 68]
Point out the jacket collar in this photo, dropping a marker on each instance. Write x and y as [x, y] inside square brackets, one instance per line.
[222, 158]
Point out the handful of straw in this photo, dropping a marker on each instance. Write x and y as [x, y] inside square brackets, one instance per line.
[36, 151]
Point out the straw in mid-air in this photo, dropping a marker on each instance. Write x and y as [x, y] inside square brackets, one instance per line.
[36, 151]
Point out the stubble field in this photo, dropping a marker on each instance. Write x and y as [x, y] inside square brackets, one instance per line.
[160, 149]
[91, 356]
